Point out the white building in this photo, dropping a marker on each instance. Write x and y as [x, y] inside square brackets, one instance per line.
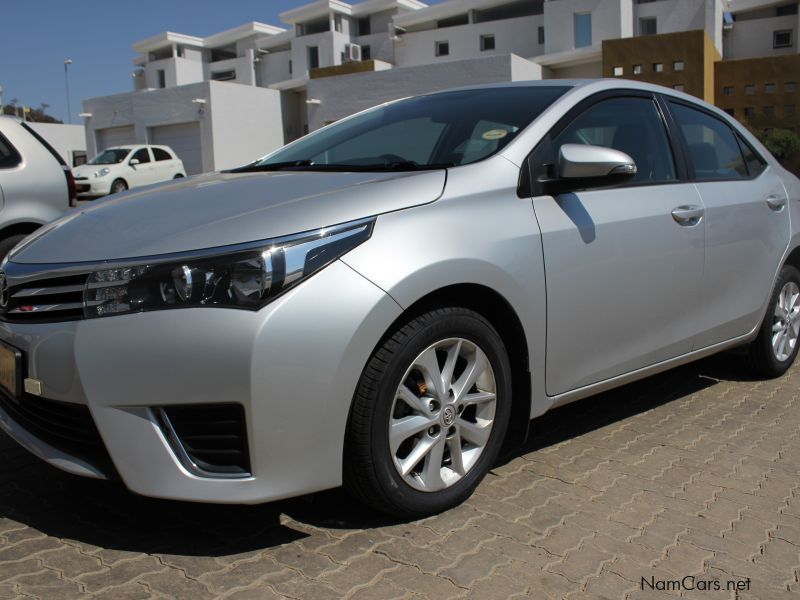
[333, 58]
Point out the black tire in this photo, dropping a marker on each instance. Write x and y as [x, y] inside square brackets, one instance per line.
[178, 176]
[8, 243]
[369, 471]
[762, 357]
[118, 185]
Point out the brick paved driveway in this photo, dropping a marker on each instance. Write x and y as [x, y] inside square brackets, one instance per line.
[693, 472]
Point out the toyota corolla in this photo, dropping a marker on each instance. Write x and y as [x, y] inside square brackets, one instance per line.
[388, 301]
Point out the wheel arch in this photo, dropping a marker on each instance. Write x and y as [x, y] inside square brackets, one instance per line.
[19, 228]
[495, 308]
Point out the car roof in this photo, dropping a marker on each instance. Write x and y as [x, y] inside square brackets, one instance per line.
[137, 147]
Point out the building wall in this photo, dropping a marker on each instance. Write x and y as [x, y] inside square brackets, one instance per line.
[683, 15]
[694, 48]
[610, 19]
[227, 120]
[758, 72]
[518, 36]
[344, 95]
[753, 38]
[65, 139]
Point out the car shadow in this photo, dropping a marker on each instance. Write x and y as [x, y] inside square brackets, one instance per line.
[104, 514]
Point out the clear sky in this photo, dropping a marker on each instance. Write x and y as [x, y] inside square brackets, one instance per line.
[35, 38]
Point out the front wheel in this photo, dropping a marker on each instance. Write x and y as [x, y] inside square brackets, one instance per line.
[429, 415]
[775, 348]
[118, 186]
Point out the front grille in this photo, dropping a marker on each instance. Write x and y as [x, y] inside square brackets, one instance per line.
[53, 299]
[210, 439]
[65, 426]
[81, 179]
[82, 187]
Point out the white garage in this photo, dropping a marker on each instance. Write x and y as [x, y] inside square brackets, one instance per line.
[115, 136]
[184, 139]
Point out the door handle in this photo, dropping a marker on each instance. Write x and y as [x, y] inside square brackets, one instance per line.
[688, 215]
[776, 202]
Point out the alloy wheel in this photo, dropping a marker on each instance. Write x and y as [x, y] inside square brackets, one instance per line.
[442, 415]
[786, 322]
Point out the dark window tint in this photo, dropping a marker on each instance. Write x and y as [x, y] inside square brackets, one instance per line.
[755, 164]
[9, 157]
[713, 149]
[160, 154]
[631, 125]
[487, 42]
[442, 48]
[366, 53]
[313, 57]
[143, 156]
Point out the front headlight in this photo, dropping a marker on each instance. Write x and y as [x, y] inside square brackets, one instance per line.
[247, 276]
[102, 172]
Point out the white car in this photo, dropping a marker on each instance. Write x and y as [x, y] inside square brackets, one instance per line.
[124, 167]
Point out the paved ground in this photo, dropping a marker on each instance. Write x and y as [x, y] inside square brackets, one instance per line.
[694, 472]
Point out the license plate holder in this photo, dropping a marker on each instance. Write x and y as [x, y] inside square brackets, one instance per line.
[10, 371]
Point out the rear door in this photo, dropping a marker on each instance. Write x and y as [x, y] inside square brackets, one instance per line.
[747, 223]
[623, 265]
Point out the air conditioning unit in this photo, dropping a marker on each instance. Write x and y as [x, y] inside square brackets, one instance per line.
[352, 53]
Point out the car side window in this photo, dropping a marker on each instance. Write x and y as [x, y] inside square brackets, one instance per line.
[755, 163]
[160, 154]
[9, 157]
[142, 155]
[713, 148]
[632, 125]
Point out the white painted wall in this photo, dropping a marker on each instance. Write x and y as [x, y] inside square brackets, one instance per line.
[611, 19]
[517, 36]
[65, 139]
[683, 15]
[753, 38]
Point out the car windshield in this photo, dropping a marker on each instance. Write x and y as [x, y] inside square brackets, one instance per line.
[439, 130]
[110, 157]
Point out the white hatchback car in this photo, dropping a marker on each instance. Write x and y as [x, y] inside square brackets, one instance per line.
[125, 167]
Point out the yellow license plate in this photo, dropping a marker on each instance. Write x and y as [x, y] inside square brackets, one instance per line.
[10, 365]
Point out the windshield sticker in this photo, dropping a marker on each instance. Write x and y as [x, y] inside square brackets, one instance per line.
[495, 134]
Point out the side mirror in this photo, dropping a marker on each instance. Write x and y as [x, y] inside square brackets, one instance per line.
[582, 166]
[133, 162]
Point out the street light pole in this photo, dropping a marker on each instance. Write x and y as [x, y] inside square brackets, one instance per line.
[67, 63]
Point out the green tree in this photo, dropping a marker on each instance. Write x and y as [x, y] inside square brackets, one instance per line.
[37, 115]
[782, 143]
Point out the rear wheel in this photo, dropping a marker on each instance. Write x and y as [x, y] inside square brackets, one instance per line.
[118, 186]
[178, 176]
[776, 346]
[430, 414]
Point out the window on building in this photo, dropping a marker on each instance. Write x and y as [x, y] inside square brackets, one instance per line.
[161, 54]
[337, 23]
[790, 86]
[730, 111]
[770, 88]
[749, 89]
[179, 51]
[223, 53]
[769, 111]
[364, 26]
[541, 35]
[678, 65]
[453, 21]
[637, 69]
[788, 109]
[583, 30]
[142, 155]
[291, 66]
[366, 52]
[618, 71]
[713, 148]
[658, 67]
[647, 26]
[679, 87]
[318, 26]
[510, 10]
[728, 90]
[160, 154]
[786, 10]
[487, 42]
[224, 75]
[162, 78]
[631, 125]
[749, 112]
[782, 38]
[442, 48]
[313, 57]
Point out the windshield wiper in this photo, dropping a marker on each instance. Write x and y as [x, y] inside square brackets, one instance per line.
[308, 165]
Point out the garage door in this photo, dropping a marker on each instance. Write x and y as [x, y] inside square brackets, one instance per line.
[184, 139]
[115, 136]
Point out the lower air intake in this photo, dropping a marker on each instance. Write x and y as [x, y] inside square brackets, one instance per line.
[209, 439]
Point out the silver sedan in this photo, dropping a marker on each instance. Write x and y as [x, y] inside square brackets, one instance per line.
[388, 301]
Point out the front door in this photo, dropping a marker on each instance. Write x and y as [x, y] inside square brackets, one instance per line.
[623, 265]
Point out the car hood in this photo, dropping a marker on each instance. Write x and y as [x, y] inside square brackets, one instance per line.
[220, 209]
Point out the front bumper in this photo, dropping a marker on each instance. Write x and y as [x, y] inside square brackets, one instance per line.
[92, 186]
[293, 366]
